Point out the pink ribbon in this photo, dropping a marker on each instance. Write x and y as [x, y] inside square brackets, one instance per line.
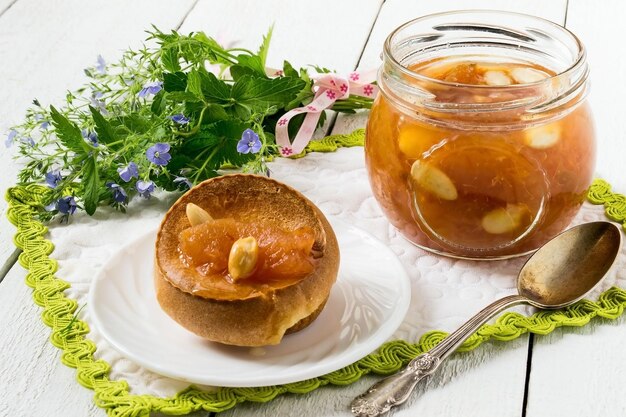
[328, 88]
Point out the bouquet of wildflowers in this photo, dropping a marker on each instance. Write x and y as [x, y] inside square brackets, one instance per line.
[167, 116]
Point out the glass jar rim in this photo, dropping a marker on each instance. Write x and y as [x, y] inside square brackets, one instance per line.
[574, 67]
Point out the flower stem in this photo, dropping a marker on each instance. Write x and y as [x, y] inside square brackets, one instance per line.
[195, 129]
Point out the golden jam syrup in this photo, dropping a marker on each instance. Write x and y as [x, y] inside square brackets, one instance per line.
[283, 254]
[502, 186]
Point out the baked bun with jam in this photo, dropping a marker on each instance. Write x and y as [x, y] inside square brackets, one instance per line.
[243, 260]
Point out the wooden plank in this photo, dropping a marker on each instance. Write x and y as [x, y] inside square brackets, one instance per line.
[396, 12]
[43, 50]
[492, 371]
[445, 394]
[601, 27]
[44, 47]
[581, 372]
[5, 5]
[328, 34]
[34, 382]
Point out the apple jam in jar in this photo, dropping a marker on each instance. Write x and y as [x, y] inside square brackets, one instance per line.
[481, 143]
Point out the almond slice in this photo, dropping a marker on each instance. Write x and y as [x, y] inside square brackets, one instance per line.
[503, 220]
[543, 137]
[523, 75]
[196, 214]
[433, 180]
[496, 78]
[243, 258]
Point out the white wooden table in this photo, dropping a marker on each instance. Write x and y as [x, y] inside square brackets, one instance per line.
[44, 45]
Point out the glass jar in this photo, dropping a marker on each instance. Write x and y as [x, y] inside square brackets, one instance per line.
[481, 142]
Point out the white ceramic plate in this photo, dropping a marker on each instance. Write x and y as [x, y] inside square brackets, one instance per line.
[365, 307]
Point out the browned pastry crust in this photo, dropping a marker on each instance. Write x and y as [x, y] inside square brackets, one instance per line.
[257, 315]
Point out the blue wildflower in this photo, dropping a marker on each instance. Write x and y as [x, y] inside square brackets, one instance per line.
[28, 141]
[101, 66]
[128, 172]
[180, 119]
[10, 138]
[150, 88]
[119, 195]
[44, 123]
[91, 137]
[145, 188]
[53, 178]
[66, 205]
[158, 154]
[183, 180]
[97, 103]
[249, 143]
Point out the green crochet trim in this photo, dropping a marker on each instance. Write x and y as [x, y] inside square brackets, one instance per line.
[334, 142]
[69, 333]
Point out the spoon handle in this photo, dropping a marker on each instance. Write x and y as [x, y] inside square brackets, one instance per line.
[396, 389]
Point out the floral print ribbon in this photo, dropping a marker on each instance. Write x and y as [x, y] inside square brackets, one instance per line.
[328, 89]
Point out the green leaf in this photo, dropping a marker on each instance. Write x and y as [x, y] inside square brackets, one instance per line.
[194, 108]
[104, 130]
[217, 145]
[194, 83]
[214, 113]
[181, 96]
[289, 70]
[91, 185]
[294, 125]
[322, 119]
[237, 71]
[174, 81]
[211, 50]
[204, 84]
[68, 133]
[158, 103]
[253, 63]
[169, 59]
[305, 75]
[241, 111]
[304, 96]
[262, 93]
[136, 123]
[322, 70]
[213, 88]
[265, 46]
[196, 48]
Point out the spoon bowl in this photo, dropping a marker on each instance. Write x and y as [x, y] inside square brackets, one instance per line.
[569, 266]
[559, 273]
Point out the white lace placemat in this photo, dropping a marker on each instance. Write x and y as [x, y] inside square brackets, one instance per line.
[445, 292]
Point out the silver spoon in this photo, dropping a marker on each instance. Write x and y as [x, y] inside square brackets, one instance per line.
[560, 273]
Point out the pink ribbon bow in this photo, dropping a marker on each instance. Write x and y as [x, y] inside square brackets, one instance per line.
[328, 88]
